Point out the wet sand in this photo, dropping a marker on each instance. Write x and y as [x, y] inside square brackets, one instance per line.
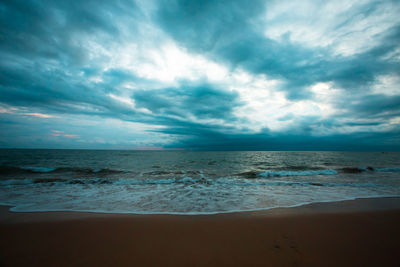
[363, 232]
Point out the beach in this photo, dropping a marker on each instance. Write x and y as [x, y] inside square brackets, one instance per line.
[362, 232]
[199, 133]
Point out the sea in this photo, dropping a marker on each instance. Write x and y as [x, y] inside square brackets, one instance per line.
[186, 182]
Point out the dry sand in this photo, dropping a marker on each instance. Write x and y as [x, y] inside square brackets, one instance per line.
[363, 232]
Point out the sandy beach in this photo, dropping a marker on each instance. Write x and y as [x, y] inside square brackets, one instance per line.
[361, 232]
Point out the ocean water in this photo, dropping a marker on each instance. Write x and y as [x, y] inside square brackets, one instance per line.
[182, 182]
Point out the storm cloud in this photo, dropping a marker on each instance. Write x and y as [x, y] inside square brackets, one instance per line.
[217, 75]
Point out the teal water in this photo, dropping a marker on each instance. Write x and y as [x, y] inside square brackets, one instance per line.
[182, 182]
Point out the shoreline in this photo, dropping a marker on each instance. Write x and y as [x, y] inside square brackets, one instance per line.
[341, 206]
[361, 232]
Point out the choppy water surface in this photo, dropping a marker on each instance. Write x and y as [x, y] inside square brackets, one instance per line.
[189, 182]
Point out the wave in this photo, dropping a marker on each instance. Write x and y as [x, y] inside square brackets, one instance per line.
[368, 169]
[297, 173]
[38, 169]
[394, 169]
[184, 181]
[282, 173]
[105, 172]
[88, 181]
[355, 169]
[9, 170]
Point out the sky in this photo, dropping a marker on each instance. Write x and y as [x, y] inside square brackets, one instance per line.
[201, 75]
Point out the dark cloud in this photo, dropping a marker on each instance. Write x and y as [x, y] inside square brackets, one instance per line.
[52, 29]
[49, 63]
[225, 30]
[228, 32]
[361, 141]
[376, 106]
[45, 62]
[202, 25]
[200, 102]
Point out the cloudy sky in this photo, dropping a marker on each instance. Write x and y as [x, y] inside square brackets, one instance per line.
[219, 75]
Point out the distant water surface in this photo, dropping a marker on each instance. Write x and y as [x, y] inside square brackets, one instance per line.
[181, 182]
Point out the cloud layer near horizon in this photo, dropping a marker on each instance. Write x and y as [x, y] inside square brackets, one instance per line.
[200, 74]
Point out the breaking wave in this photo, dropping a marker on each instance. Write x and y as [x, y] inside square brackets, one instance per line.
[185, 181]
[11, 170]
[297, 173]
